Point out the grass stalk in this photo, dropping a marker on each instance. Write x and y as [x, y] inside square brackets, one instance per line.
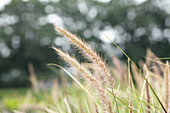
[86, 74]
[166, 75]
[129, 81]
[140, 74]
[147, 89]
[89, 54]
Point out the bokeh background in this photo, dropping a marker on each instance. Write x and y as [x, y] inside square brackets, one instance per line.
[27, 33]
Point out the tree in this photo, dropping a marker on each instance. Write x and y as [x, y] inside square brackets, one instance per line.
[27, 32]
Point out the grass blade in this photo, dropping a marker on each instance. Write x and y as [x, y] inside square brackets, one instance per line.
[141, 74]
[75, 81]
[121, 101]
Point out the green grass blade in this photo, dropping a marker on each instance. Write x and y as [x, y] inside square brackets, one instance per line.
[145, 103]
[164, 58]
[71, 77]
[141, 74]
[129, 76]
[58, 109]
[115, 101]
[155, 61]
[75, 81]
[121, 101]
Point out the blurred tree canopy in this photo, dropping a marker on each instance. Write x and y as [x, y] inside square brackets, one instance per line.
[27, 32]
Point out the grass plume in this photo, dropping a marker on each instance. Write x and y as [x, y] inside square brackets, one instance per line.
[88, 53]
[73, 62]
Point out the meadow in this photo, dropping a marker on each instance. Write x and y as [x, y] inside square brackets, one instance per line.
[95, 87]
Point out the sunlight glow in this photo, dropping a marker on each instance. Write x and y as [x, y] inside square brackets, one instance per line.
[3, 3]
[104, 1]
[137, 2]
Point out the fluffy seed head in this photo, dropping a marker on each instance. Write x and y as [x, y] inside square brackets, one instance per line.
[73, 62]
[88, 53]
